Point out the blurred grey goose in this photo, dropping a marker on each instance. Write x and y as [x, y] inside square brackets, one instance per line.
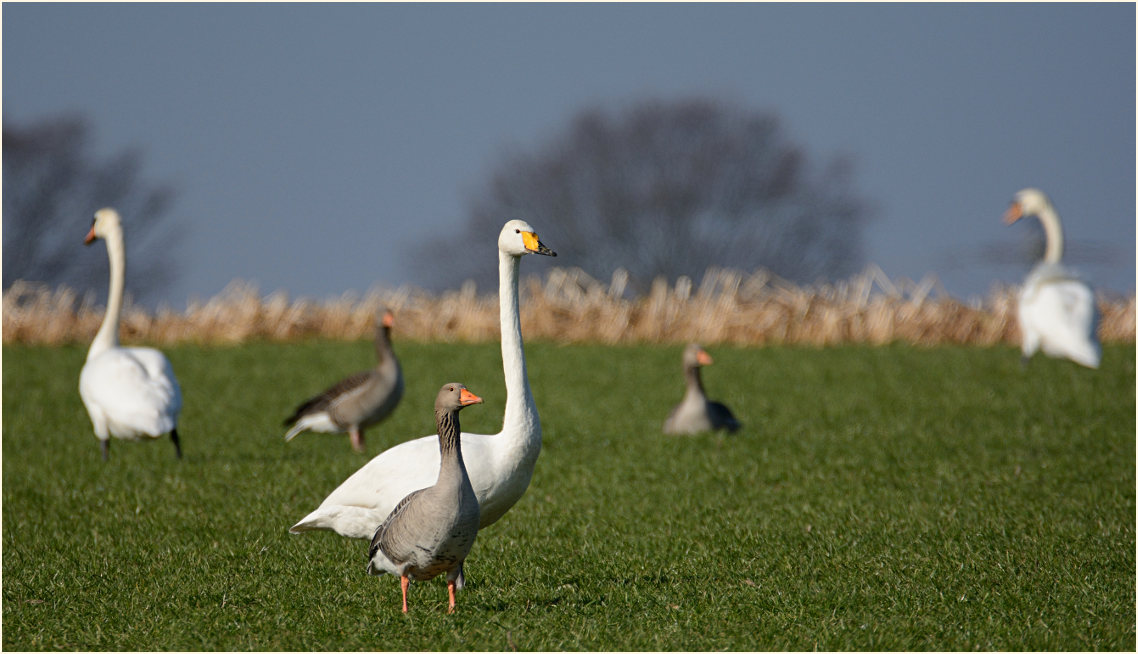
[359, 401]
[1056, 309]
[432, 530]
[696, 413]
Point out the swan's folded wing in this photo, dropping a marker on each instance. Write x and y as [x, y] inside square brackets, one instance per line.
[1063, 313]
[1064, 309]
[362, 501]
[160, 373]
[129, 395]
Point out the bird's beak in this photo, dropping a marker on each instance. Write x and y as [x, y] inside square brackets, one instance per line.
[1014, 213]
[534, 244]
[90, 238]
[704, 358]
[388, 319]
[466, 398]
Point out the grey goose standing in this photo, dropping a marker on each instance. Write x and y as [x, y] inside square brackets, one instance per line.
[432, 529]
[696, 413]
[359, 401]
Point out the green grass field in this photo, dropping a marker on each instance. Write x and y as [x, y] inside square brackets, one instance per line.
[877, 498]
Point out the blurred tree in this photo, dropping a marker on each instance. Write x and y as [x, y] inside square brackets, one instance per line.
[52, 188]
[670, 189]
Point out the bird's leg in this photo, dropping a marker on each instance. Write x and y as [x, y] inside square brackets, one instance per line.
[1023, 361]
[450, 594]
[404, 582]
[357, 436]
[105, 446]
[460, 578]
[177, 443]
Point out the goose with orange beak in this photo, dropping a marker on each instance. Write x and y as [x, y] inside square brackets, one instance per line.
[500, 465]
[695, 413]
[356, 402]
[432, 530]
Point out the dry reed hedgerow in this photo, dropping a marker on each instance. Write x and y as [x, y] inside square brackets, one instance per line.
[728, 307]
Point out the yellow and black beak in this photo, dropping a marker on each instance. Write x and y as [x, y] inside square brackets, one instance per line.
[1014, 213]
[534, 244]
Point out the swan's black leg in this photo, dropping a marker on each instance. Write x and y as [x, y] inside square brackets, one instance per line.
[105, 446]
[177, 444]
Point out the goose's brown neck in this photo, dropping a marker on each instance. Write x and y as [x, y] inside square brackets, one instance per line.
[693, 378]
[449, 444]
[383, 344]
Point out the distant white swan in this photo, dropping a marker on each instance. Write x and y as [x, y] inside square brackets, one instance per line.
[500, 465]
[130, 392]
[1057, 311]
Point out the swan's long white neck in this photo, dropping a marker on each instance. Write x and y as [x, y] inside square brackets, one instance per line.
[108, 335]
[521, 412]
[1054, 233]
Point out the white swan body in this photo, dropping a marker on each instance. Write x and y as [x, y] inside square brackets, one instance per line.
[499, 465]
[130, 392]
[1056, 311]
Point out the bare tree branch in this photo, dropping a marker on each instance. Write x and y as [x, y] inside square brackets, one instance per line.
[674, 188]
[52, 187]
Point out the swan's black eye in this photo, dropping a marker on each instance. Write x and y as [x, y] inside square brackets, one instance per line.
[517, 231]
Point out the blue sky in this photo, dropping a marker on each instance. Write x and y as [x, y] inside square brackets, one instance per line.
[313, 145]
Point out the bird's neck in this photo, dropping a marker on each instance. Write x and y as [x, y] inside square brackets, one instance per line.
[450, 445]
[694, 380]
[1054, 233]
[521, 412]
[108, 335]
[383, 351]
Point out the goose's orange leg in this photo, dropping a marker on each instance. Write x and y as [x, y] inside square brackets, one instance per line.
[404, 582]
[356, 436]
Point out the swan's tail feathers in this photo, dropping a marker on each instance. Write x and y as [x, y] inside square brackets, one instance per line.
[1088, 355]
[312, 522]
[299, 528]
[348, 521]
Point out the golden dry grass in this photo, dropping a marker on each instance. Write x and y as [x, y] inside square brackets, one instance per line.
[569, 306]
